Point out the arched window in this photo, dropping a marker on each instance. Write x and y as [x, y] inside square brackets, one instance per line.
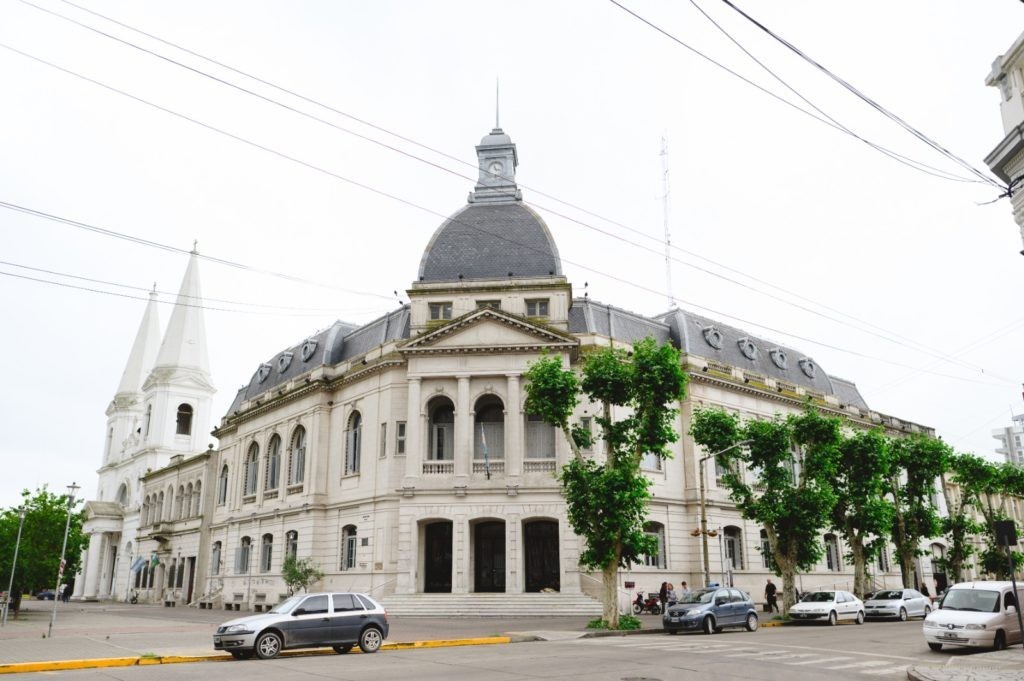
[242, 555]
[196, 497]
[179, 501]
[122, 494]
[266, 552]
[145, 512]
[222, 486]
[169, 510]
[252, 463]
[353, 443]
[297, 457]
[348, 547]
[187, 506]
[832, 560]
[110, 442]
[159, 514]
[655, 531]
[489, 429]
[733, 544]
[184, 424]
[272, 477]
[148, 421]
[540, 438]
[441, 421]
[291, 544]
[766, 552]
[215, 558]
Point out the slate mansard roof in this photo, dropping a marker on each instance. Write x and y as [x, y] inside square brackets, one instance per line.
[491, 241]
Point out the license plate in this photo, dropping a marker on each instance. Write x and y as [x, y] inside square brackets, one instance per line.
[949, 634]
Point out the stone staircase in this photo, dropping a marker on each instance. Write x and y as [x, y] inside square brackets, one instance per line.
[492, 605]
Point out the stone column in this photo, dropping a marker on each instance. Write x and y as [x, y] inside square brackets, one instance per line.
[413, 432]
[80, 579]
[463, 429]
[513, 429]
[92, 567]
[107, 565]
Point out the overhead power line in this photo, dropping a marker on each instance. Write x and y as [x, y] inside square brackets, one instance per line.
[887, 335]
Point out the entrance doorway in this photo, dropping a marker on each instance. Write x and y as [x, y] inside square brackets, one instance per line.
[540, 539]
[191, 578]
[437, 558]
[489, 557]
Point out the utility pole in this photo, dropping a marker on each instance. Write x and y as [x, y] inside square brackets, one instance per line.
[14, 565]
[72, 488]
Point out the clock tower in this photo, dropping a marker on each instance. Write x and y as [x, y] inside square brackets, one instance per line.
[497, 159]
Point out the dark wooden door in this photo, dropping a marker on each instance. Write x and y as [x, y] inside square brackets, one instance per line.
[191, 578]
[437, 558]
[489, 557]
[541, 543]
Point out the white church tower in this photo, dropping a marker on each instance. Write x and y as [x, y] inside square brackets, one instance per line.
[162, 407]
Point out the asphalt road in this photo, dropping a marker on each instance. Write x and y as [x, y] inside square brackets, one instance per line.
[877, 650]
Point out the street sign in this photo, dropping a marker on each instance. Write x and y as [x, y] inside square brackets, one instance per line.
[1006, 533]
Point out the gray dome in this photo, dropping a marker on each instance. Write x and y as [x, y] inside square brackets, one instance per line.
[490, 241]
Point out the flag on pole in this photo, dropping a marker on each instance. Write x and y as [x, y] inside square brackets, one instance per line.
[154, 561]
[137, 564]
[487, 461]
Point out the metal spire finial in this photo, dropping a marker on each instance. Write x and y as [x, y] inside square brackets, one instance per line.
[497, 103]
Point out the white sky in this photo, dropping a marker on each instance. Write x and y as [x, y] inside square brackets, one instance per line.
[587, 93]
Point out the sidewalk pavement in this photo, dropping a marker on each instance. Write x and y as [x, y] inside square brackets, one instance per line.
[147, 634]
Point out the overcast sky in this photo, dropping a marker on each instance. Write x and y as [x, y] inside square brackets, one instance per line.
[885, 275]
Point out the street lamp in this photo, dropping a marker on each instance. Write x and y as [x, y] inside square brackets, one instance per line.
[72, 488]
[703, 510]
[14, 565]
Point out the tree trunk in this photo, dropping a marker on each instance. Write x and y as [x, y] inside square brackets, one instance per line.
[907, 555]
[860, 574]
[788, 585]
[610, 594]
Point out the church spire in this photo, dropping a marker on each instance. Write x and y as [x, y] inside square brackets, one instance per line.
[143, 353]
[184, 344]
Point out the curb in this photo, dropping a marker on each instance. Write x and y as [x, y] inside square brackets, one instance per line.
[139, 660]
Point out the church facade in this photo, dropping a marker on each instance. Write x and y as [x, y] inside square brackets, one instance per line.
[399, 457]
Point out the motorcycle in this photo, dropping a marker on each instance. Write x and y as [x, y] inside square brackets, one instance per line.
[651, 604]
[134, 600]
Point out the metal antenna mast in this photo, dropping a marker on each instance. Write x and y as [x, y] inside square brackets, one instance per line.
[664, 210]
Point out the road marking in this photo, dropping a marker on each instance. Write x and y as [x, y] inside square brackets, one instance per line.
[820, 661]
[864, 663]
[888, 670]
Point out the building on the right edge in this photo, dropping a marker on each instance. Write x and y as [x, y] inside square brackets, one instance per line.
[1007, 159]
[1011, 440]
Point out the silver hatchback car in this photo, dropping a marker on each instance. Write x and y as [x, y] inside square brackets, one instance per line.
[339, 620]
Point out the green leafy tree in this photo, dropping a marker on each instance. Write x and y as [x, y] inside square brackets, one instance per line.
[790, 465]
[862, 514]
[300, 573]
[607, 501]
[958, 526]
[918, 462]
[989, 487]
[41, 540]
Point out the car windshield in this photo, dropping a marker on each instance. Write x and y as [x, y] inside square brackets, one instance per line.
[702, 596]
[819, 597]
[975, 600]
[286, 606]
[887, 596]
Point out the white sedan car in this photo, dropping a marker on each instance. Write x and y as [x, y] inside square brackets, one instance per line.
[898, 603]
[828, 606]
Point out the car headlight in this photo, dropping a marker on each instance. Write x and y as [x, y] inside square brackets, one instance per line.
[974, 626]
[237, 629]
[928, 624]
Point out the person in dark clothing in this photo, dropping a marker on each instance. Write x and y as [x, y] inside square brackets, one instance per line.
[770, 596]
[663, 595]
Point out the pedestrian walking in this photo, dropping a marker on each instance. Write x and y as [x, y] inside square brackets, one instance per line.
[683, 589]
[60, 592]
[672, 598]
[663, 595]
[770, 598]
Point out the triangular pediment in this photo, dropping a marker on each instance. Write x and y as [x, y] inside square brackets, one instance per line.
[488, 330]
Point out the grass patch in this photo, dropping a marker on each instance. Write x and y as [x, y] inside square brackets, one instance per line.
[149, 655]
[626, 623]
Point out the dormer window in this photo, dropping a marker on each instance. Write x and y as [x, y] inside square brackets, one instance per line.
[537, 307]
[440, 311]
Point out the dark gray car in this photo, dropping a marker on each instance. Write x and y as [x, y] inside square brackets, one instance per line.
[339, 620]
[710, 610]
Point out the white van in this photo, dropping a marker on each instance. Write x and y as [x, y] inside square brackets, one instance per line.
[976, 615]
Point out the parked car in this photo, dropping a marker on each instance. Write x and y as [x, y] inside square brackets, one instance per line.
[45, 595]
[338, 620]
[829, 606]
[710, 610]
[975, 614]
[898, 603]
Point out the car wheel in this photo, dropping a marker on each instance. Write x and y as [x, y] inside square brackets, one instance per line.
[241, 654]
[935, 646]
[833, 619]
[637, 609]
[370, 640]
[1000, 642]
[751, 622]
[903, 614]
[268, 645]
[655, 609]
[341, 650]
[709, 625]
[860, 617]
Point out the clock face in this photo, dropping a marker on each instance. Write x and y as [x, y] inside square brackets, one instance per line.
[495, 168]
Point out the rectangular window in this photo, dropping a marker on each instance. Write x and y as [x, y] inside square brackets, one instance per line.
[440, 311]
[383, 440]
[265, 556]
[399, 438]
[181, 575]
[587, 424]
[537, 307]
[493, 304]
[650, 462]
